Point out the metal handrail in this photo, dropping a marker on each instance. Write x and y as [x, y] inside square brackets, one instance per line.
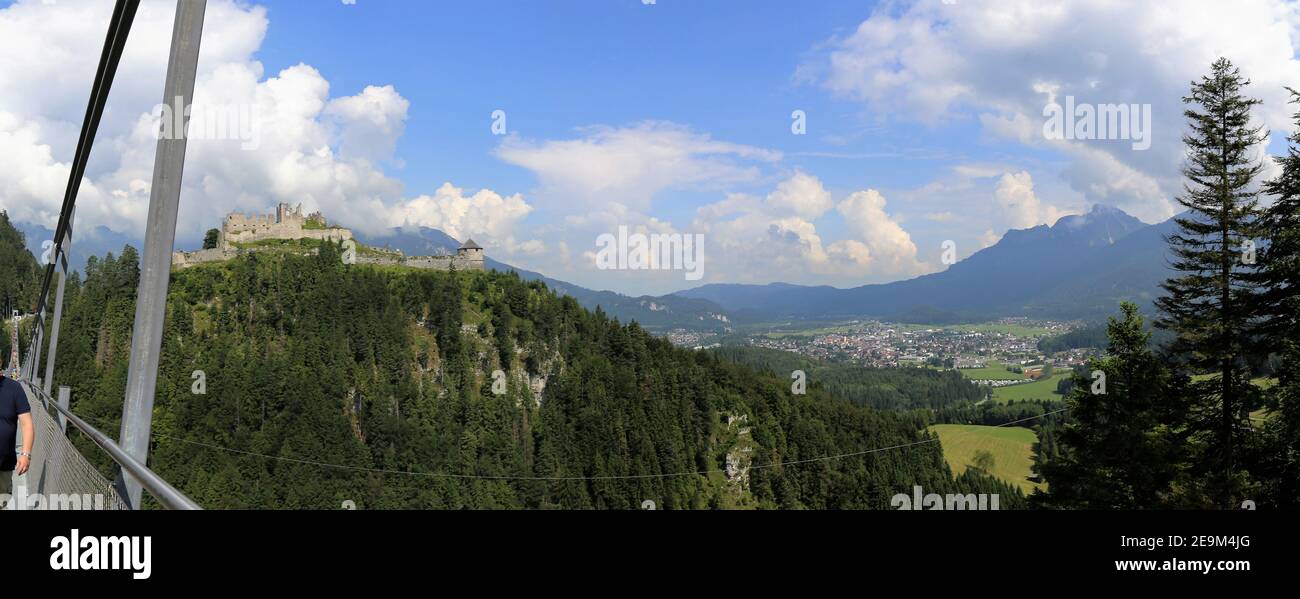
[163, 491]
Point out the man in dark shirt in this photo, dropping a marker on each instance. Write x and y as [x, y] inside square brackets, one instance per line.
[14, 413]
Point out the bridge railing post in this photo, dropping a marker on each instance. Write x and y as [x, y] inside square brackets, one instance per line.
[65, 402]
[58, 305]
[38, 339]
[159, 241]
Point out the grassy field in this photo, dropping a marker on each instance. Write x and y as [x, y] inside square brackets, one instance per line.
[1260, 416]
[1018, 330]
[1046, 388]
[1262, 382]
[1040, 389]
[1012, 449]
[813, 331]
[993, 371]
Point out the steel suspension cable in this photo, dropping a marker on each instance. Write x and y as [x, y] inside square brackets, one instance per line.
[114, 43]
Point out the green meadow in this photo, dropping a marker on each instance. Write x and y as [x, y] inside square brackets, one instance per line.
[993, 371]
[1011, 446]
[1040, 389]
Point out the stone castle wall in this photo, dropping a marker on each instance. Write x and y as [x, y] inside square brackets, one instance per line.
[289, 223]
[187, 259]
[463, 260]
[286, 223]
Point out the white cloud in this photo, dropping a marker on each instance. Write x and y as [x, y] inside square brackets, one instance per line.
[776, 238]
[624, 168]
[978, 171]
[43, 90]
[371, 122]
[1001, 61]
[851, 251]
[891, 248]
[486, 216]
[312, 147]
[1020, 206]
[801, 195]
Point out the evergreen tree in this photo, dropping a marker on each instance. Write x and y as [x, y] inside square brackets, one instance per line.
[1279, 454]
[20, 275]
[1120, 451]
[1211, 304]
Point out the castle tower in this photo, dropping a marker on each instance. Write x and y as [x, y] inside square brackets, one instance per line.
[471, 254]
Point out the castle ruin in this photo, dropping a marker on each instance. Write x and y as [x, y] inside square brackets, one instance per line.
[287, 223]
[241, 233]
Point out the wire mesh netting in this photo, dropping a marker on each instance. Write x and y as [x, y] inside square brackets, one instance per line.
[61, 478]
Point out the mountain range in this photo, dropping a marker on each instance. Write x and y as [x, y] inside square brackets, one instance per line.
[1078, 268]
[98, 241]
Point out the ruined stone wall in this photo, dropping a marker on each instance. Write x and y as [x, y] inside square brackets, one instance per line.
[460, 261]
[430, 262]
[187, 259]
[285, 224]
[378, 260]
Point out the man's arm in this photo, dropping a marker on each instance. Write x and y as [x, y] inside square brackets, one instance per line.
[29, 439]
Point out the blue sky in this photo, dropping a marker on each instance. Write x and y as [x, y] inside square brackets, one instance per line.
[555, 67]
[924, 121]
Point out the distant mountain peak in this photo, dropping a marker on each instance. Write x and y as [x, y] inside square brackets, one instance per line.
[1101, 225]
[1099, 213]
[1100, 208]
[1079, 267]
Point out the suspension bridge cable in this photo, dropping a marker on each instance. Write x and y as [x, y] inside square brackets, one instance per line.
[114, 43]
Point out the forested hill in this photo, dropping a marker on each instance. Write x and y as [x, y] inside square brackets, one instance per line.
[19, 271]
[19, 278]
[327, 383]
[880, 388]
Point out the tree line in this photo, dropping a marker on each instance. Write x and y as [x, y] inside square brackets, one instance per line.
[879, 388]
[1185, 426]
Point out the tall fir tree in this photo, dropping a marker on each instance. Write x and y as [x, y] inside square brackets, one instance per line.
[1121, 451]
[1280, 451]
[1211, 304]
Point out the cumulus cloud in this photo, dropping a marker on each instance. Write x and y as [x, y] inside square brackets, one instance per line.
[891, 248]
[308, 144]
[1020, 206]
[1002, 62]
[370, 122]
[628, 166]
[486, 215]
[43, 91]
[801, 195]
[776, 237]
